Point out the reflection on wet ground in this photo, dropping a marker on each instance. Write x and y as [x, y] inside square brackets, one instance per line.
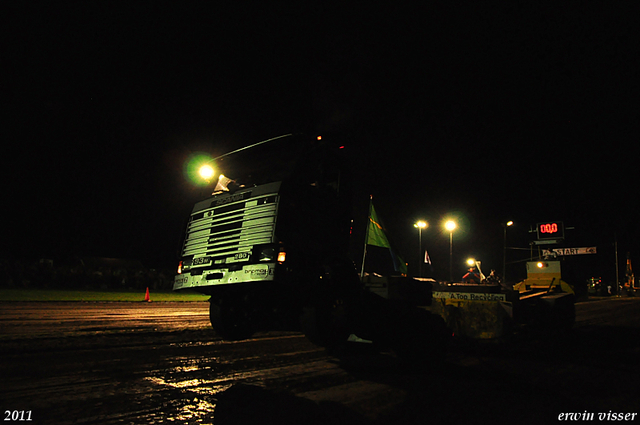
[56, 319]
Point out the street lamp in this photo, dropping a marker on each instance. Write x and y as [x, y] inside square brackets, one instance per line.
[450, 225]
[504, 250]
[420, 225]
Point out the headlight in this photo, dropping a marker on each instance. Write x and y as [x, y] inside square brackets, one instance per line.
[266, 254]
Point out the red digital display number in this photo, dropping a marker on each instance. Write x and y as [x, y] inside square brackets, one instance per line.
[551, 230]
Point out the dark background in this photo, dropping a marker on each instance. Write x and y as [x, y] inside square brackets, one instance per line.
[487, 113]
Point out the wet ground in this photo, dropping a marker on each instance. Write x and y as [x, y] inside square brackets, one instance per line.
[144, 363]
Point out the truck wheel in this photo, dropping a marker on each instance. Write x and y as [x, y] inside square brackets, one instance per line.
[422, 340]
[324, 324]
[231, 320]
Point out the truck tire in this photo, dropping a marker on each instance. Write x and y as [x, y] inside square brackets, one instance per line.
[422, 339]
[325, 323]
[328, 299]
[231, 319]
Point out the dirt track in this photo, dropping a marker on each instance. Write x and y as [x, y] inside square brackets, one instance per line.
[108, 363]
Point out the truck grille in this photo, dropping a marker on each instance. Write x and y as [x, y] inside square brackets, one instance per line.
[223, 227]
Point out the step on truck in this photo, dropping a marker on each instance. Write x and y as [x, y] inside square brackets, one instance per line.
[271, 247]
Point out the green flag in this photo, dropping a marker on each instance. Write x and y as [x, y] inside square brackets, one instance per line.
[400, 265]
[375, 234]
[377, 237]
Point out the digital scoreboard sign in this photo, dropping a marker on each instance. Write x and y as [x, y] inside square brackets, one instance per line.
[550, 230]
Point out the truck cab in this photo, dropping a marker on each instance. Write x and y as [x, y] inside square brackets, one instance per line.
[270, 245]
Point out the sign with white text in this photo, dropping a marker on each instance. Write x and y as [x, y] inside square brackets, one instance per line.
[471, 296]
[569, 251]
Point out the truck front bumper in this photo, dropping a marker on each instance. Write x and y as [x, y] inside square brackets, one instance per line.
[212, 277]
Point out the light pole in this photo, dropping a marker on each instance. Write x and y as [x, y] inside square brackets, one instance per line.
[420, 225]
[450, 225]
[504, 250]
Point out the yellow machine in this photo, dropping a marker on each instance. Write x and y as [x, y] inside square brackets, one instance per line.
[545, 299]
[542, 276]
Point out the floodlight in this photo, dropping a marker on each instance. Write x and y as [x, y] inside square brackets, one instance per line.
[206, 172]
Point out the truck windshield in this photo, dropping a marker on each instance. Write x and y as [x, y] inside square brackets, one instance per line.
[269, 162]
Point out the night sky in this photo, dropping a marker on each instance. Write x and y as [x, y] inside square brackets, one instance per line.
[501, 113]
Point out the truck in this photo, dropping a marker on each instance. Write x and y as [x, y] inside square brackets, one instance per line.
[271, 248]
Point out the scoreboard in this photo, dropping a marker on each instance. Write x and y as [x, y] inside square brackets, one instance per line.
[550, 230]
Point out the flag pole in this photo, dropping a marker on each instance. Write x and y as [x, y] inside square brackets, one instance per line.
[366, 238]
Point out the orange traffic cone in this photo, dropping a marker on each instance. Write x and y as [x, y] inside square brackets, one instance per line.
[147, 298]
